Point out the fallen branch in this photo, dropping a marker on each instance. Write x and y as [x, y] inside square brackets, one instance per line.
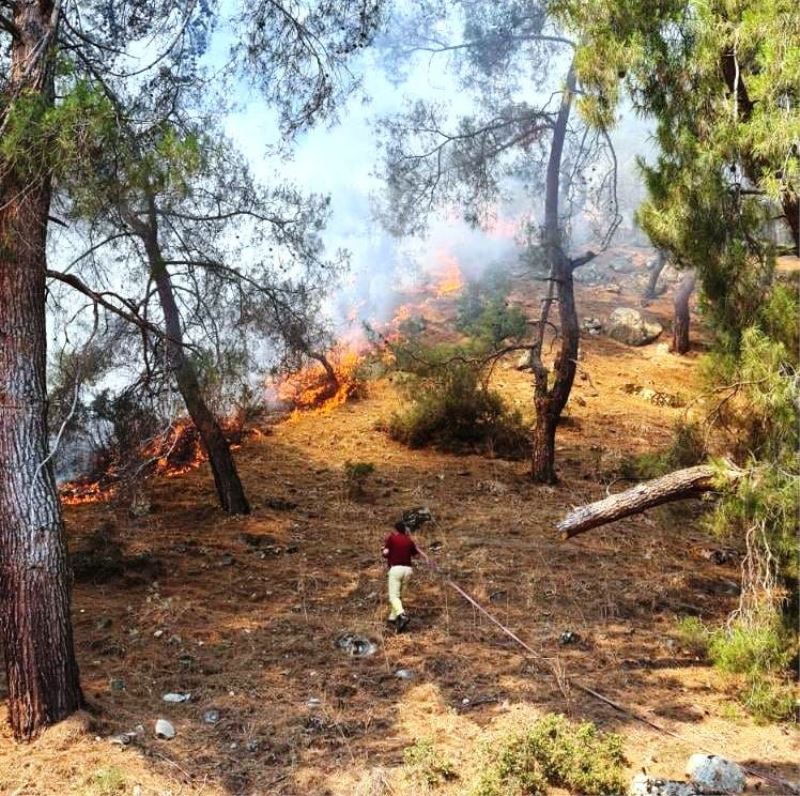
[679, 485]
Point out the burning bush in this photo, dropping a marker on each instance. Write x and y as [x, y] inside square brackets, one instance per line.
[452, 408]
[326, 383]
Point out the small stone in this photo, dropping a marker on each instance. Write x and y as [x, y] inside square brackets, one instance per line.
[252, 745]
[357, 646]
[313, 702]
[210, 716]
[158, 634]
[404, 674]
[568, 637]
[164, 730]
[175, 698]
[123, 739]
[226, 560]
[465, 701]
[104, 623]
[643, 785]
[714, 774]
[117, 684]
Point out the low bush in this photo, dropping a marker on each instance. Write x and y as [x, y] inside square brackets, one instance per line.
[355, 476]
[687, 448]
[452, 409]
[484, 312]
[553, 752]
[427, 765]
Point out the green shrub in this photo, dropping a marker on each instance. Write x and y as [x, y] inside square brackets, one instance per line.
[356, 475]
[693, 634]
[553, 751]
[107, 782]
[757, 648]
[687, 448]
[768, 699]
[452, 409]
[427, 764]
[484, 312]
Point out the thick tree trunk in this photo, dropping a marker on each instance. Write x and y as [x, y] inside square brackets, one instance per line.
[226, 478]
[35, 622]
[549, 402]
[651, 291]
[679, 485]
[681, 317]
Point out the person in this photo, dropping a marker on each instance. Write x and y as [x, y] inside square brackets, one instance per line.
[398, 550]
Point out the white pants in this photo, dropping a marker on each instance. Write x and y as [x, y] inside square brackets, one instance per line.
[398, 575]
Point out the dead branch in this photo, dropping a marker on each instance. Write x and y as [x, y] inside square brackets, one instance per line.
[678, 485]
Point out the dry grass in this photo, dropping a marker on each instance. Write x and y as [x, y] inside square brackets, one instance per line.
[255, 638]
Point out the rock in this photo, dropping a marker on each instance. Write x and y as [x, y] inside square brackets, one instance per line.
[643, 785]
[628, 326]
[123, 739]
[210, 716]
[415, 518]
[569, 637]
[313, 702]
[164, 730]
[117, 684]
[357, 646]
[713, 774]
[226, 560]
[176, 698]
[104, 623]
[717, 555]
[525, 361]
[404, 674]
[622, 266]
[280, 504]
[140, 505]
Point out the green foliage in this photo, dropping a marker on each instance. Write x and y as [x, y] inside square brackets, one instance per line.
[750, 648]
[452, 409]
[760, 650]
[427, 764]
[693, 635]
[686, 449]
[356, 475]
[83, 142]
[107, 782]
[553, 751]
[484, 312]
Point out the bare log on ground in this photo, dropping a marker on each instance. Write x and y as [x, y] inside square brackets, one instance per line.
[679, 485]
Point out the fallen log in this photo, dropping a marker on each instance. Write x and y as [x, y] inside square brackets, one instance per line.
[679, 485]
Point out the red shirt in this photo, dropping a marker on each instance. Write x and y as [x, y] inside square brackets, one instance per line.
[401, 548]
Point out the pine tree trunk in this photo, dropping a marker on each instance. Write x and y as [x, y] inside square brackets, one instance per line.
[549, 402]
[35, 623]
[226, 478]
[681, 319]
[651, 291]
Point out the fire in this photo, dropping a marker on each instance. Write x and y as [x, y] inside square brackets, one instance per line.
[450, 278]
[78, 493]
[313, 388]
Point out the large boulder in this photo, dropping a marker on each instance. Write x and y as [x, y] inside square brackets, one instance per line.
[713, 774]
[629, 326]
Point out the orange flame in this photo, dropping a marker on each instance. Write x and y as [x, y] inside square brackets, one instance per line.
[450, 280]
[312, 388]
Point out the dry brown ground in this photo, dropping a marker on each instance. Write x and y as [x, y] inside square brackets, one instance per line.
[251, 632]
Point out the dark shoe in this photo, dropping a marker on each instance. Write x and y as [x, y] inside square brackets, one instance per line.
[402, 623]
